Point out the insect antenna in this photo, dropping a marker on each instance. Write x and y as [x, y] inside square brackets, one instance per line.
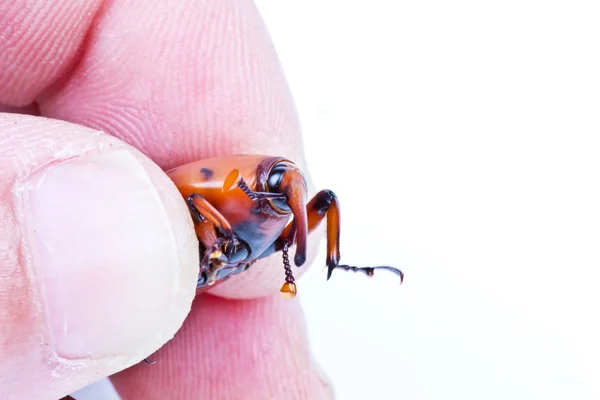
[288, 290]
[257, 196]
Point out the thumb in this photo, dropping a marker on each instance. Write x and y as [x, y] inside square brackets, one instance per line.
[98, 257]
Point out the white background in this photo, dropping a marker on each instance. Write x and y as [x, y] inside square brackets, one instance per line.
[461, 138]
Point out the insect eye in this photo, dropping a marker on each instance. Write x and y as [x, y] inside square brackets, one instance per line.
[274, 186]
[275, 177]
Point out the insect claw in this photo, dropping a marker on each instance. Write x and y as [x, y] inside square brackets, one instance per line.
[369, 271]
[393, 270]
[330, 269]
[148, 361]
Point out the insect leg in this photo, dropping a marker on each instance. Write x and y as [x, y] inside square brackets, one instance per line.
[202, 211]
[326, 205]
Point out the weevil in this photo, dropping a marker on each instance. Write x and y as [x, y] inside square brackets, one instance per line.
[241, 207]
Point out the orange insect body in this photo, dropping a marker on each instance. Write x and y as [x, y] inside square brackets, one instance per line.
[241, 207]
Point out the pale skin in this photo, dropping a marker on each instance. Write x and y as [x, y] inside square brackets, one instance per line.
[177, 81]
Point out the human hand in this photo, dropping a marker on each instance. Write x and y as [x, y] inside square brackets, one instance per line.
[98, 259]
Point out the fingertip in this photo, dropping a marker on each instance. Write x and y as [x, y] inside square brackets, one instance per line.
[99, 250]
[102, 234]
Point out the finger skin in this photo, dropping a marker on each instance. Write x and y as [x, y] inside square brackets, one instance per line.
[181, 81]
[39, 41]
[248, 350]
[67, 314]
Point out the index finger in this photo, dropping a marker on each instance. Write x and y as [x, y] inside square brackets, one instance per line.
[181, 81]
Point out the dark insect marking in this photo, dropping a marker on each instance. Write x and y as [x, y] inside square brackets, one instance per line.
[206, 172]
[323, 201]
[171, 170]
